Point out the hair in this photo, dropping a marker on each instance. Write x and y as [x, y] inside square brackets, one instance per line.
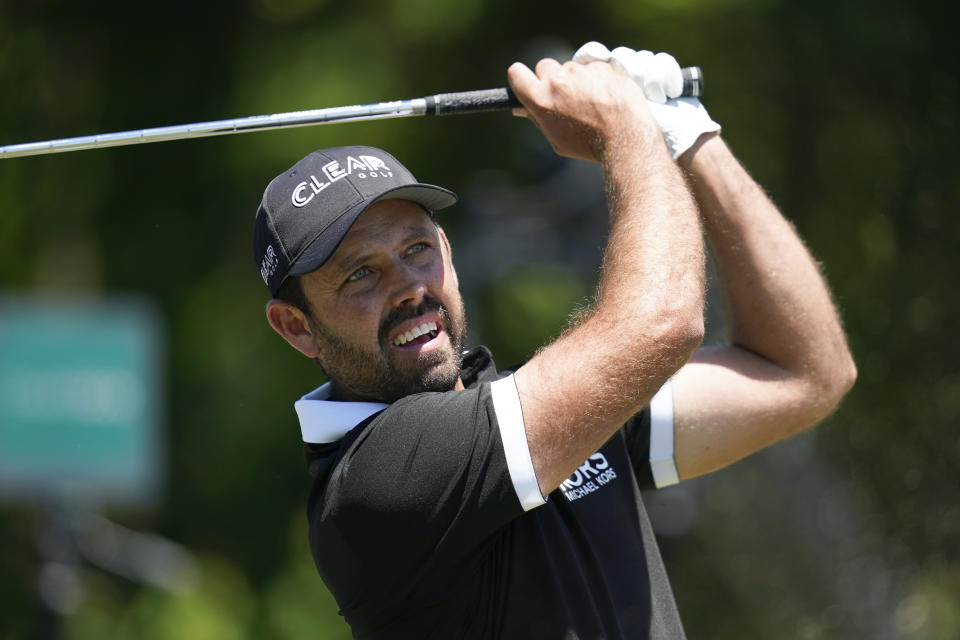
[291, 292]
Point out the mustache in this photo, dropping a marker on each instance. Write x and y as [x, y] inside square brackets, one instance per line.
[405, 312]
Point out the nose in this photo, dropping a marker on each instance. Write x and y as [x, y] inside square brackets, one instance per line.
[407, 286]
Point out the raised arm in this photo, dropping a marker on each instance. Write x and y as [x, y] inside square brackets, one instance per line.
[788, 364]
[648, 315]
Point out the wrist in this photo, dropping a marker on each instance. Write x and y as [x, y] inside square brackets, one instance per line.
[637, 135]
[700, 153]
[635, 154]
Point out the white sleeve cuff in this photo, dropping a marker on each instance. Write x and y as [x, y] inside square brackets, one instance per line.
[661, 438]
[506, 404]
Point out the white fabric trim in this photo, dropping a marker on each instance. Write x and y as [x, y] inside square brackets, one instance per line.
[506, 404]
[661, 438]
[323, 420]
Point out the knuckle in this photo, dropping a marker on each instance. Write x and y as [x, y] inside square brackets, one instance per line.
[546, 65]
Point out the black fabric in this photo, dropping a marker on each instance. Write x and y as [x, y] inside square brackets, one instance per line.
[417, 531]
[636, 433]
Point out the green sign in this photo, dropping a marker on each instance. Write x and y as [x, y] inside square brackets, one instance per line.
[79, 400]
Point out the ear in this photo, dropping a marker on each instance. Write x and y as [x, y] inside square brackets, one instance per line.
[449, 254]
[291, 323]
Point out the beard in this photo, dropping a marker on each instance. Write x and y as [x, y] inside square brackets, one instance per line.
[381, 374]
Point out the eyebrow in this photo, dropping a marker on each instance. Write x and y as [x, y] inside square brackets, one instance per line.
[351, 263]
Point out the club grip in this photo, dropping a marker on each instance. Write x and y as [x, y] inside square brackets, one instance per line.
[692, 82]
[444, 104]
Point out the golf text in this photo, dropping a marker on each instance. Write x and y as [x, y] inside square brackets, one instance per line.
[269, 264]
[362, 166]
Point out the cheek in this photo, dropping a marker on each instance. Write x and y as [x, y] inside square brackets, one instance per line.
[441, 273]
[450, 272]
[452, 276]
[357, 322]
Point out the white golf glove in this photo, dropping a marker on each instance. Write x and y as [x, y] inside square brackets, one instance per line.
[682, 120]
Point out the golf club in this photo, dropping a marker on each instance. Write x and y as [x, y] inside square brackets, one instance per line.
[441, 104]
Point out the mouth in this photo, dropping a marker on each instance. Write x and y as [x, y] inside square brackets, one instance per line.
[419, 334]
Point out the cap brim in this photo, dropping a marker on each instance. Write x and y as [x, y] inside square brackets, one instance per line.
[430, 196]
[319, 251]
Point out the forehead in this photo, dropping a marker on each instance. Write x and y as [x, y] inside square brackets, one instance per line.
[382, 225]
[383, 219]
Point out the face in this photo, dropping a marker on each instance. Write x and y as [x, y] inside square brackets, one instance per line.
[388, 318]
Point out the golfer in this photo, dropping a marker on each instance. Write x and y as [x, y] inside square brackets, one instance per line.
[454, 500]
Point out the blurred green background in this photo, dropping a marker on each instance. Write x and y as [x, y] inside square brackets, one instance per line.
[845, 111]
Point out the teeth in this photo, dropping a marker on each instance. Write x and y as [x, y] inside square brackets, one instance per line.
[416, 332]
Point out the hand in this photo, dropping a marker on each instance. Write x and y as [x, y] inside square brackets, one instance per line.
[580, 108]
[682, 120]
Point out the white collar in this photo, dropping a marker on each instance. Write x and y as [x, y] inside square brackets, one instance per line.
[323, 420]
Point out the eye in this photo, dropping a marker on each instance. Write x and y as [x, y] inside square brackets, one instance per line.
[360, 273]
[417, 248]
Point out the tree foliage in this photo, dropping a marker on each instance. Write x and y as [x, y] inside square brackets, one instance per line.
[846, 112]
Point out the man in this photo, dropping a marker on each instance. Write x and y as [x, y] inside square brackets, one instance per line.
[453, 501]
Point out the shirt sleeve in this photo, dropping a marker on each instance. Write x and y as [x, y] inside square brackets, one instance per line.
[649, 437]
[513, 433]
[425, 483]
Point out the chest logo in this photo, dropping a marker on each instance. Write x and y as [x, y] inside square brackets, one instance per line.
[589, 477]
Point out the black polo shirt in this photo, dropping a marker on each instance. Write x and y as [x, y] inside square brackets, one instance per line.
[426, 522]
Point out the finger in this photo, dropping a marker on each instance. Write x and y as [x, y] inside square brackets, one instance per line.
[520, 112]
[654, 92]
[625, 59]
[522, 80]
[656, 76]
[672, 76]
[592, 52]
[645, 70]
[546, 66]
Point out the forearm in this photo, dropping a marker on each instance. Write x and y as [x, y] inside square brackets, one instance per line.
[647, 319]
[788, 364]
[779, 304]
[651, 283]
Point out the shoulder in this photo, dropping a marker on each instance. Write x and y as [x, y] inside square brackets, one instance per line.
[408, 452]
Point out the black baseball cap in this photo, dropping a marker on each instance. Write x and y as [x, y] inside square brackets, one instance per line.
[308, 209]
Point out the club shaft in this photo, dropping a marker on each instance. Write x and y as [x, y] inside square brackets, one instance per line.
[440, 104]
[396, 109]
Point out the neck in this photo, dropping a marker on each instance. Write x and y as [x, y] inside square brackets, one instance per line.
[344, 394]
